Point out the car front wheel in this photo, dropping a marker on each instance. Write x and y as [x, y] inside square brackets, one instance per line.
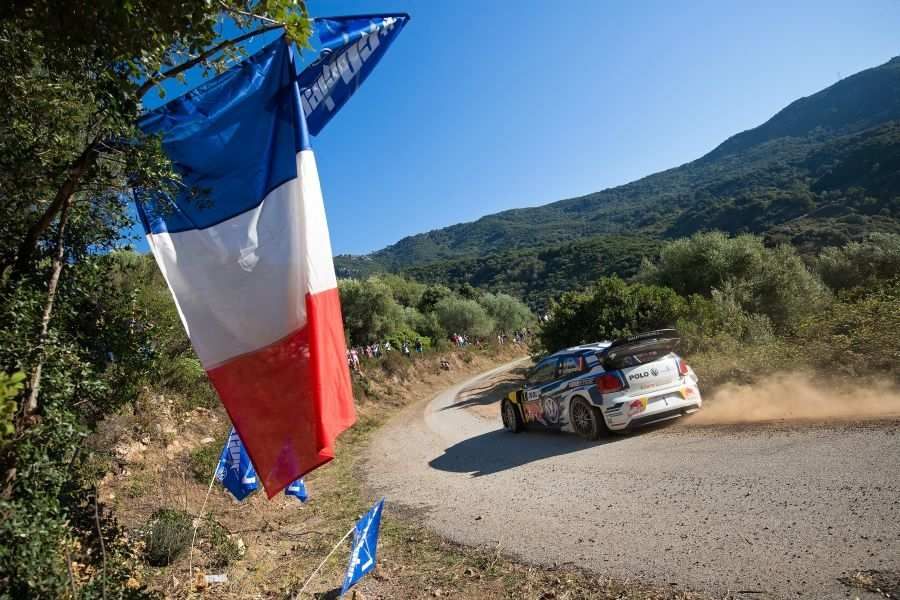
[512, 420]
[586, 419]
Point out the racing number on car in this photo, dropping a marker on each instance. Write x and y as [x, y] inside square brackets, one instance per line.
[532, 395]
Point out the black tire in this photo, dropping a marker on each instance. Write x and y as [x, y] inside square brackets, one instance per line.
[586, 419]
[512, 418]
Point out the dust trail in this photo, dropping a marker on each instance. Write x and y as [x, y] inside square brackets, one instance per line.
[798, 396]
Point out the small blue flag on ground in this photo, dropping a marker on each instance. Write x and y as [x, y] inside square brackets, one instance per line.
[365, 543]
[235, 470]
[298, 489]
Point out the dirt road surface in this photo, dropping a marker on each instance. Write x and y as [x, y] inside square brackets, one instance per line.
[763, 511]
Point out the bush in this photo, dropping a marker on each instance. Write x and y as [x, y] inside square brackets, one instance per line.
[861, 264]
[858, 335]
[167, 534]
[767, 281]
[203, 460]
[463, 316]
[508, 313]
[369, 308]
[10, 386]
[611, 309]
[220, 548]
[704, 262]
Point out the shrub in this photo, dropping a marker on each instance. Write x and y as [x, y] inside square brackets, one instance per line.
[859, 264]
[463, 316]
[705, 261]
[767, 281]
[369, 308]
[508, 313]
[10, 386]
[203, 460]
[611, 309]
[167, 534]
[859, 334]
[221, 549]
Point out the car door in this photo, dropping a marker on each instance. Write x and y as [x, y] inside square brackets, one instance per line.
[538, 405]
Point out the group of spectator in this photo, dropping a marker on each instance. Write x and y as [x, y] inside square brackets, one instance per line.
[378, 349]
[520, 336]
[461, 341]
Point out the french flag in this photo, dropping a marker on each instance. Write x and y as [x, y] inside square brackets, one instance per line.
[245, 251]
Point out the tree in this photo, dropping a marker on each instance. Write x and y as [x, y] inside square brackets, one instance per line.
[463, 316]
[70, 91]
[508, 313]
[859, 264]
[370, 311]
[773, 282]
[609, 310]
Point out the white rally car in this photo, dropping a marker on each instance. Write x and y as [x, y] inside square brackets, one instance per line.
[605, 386]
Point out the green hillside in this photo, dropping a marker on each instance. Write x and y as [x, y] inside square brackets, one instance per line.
[824, 170]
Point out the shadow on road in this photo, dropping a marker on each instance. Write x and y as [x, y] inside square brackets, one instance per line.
[492, 391]
[500, 450]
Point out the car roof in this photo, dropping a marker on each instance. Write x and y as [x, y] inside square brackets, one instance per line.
[580, 350]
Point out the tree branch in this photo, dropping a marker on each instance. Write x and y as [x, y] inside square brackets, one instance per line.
[75, 172]
[154, 80]
[244, 13]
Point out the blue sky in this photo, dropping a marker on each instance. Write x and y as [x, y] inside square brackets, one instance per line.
[484, 106]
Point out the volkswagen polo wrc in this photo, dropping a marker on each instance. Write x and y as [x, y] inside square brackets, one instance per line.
[605, 386]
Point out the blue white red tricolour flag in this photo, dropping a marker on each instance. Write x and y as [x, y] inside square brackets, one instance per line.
[298, 490]
[350, 47]
[235, 471]
[365, 544]
[249, 262]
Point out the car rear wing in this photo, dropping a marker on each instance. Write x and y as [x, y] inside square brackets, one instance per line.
[639, 349]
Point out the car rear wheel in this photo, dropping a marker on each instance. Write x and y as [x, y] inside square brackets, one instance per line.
[512, 420]
[586, 419]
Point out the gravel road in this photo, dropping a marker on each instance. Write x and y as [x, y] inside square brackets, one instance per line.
[763, 511]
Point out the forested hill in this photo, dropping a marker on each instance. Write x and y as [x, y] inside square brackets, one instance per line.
[823, 170]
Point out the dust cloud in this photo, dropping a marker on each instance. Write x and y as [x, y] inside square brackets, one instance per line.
[798, 396]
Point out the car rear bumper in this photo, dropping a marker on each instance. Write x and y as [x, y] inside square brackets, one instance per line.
[664, 415]
[631, 411]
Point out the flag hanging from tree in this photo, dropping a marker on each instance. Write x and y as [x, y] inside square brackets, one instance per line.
[246, 253]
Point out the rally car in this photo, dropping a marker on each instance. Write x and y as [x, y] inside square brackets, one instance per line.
[606, 386]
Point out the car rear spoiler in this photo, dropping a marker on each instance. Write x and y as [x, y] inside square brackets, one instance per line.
[638, 349]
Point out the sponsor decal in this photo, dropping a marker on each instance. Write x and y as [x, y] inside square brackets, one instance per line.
[577, 383]
[551, 409]
[637, 406]
[533, 412]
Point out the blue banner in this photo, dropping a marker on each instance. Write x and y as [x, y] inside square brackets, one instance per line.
[350, 48]
[365, 543]
[235, 470]
[297, 489]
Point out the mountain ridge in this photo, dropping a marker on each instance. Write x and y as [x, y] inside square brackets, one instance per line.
[829, 156]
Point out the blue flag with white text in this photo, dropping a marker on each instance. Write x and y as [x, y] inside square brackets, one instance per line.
[235, 470]
[351, 46]
[365, 543]
[298, 490]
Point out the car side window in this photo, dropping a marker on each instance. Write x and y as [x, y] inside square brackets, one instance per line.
[543, 373]
[568, 365]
